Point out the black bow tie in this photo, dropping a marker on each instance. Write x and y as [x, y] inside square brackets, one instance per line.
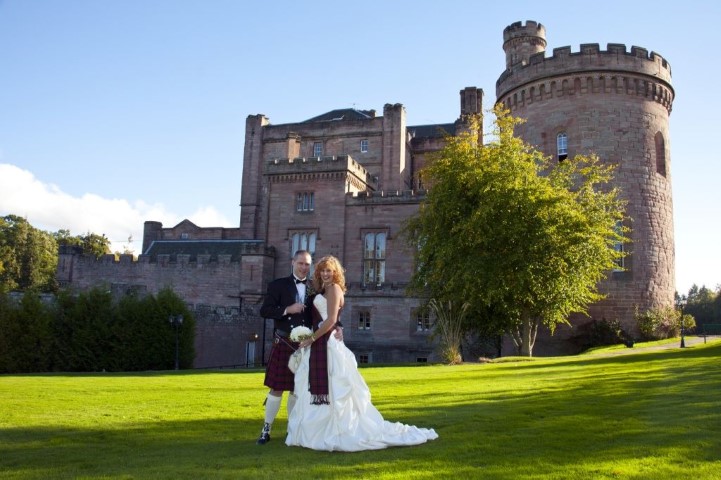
[301, 281]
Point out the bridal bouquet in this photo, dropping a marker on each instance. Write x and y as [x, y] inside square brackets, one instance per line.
[298, 334]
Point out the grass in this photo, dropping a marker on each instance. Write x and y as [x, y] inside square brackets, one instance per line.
[646, 415]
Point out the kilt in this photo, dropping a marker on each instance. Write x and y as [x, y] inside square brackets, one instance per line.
[277, 374]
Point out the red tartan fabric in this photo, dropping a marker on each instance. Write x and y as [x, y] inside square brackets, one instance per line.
[318, 371]
[277, 374]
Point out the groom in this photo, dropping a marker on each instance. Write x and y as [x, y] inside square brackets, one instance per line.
[285, 304]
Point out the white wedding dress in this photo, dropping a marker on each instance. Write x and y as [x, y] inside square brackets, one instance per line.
[350, 423]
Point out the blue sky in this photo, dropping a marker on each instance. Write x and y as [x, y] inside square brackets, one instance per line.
[117, 112]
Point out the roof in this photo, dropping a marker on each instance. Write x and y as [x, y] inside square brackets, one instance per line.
[343, 114]
[432, 131]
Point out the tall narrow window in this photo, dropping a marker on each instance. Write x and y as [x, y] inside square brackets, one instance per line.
[618, 246]
[562, 146]
[374, 258]
[660, 154]
[304, 202]
[422, 320]
[364, 320]
[318, 149]
[364, 146]
[303, 241]
[419, 181]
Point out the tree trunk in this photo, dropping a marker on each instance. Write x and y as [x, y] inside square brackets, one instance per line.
[528, 336]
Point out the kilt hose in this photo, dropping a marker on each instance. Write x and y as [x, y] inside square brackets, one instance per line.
[277, 374]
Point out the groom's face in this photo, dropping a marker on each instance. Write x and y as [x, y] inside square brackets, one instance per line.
[301, 265]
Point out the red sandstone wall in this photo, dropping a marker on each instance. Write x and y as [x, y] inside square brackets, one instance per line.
[615, 114]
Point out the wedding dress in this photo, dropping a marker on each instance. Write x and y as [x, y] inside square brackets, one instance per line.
[350, 422]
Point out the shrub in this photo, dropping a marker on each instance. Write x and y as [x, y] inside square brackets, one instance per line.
[599, 333]
[663, 322]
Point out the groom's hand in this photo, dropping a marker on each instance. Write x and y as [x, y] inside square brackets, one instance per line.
[339, 334]
[295, 308]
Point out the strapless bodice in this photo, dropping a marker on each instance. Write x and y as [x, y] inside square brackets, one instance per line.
[321, 304]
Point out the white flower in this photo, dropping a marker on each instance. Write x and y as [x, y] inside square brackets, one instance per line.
[298, 334]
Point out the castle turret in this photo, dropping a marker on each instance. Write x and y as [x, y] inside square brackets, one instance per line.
[151, 231]
[616, 104]
[251, 209]
[520, 42]
[395, 174]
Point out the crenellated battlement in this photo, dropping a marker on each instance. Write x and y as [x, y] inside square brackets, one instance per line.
[385, 197]
[518, 29]
[319, 166]
[589, 60]
[589, 71]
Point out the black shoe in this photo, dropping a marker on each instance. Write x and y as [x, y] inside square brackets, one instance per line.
[264, 435]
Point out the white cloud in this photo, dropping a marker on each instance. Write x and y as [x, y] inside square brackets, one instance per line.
[48, 208]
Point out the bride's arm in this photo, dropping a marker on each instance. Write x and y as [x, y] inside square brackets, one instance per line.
[334, 296]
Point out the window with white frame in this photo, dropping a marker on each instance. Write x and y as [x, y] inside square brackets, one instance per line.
[318, 149]
[364, 358]
[364, 146]
[422, 320]
[364, 320]
[303, 240]
[305, 202]
[562, 146]
[374, 257]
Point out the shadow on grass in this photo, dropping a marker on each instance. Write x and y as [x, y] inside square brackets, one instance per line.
[653, 415]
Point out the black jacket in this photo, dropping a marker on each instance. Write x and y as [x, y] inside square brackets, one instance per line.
[282, 293]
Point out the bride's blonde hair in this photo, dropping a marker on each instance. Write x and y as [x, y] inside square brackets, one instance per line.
[333, 264]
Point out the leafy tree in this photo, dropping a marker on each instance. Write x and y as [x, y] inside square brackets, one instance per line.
[90, 243]
[507, 230]
[171, 304]
[28, 256]
[82, 330]
[703, 304]
[25, 334]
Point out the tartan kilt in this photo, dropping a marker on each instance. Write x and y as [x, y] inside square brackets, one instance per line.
[277, 374]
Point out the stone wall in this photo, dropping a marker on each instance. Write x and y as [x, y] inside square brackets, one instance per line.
[616, 105]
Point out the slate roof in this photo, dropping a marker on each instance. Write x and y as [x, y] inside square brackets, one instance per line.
[342, 114]
[432, 131]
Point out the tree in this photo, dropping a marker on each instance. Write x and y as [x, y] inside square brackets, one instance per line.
[90, 243]
[25, 334]
[703, 304]
[507, 230]
[28, 256]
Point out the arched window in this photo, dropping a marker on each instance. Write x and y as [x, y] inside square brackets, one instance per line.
[660, 154]
[562, 146]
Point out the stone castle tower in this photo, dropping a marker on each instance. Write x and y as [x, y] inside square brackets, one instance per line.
[343, 183]
[616, 104]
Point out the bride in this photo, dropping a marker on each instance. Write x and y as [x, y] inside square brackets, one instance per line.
[333, 409]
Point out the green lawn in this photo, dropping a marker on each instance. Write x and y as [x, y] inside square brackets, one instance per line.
[652, 415]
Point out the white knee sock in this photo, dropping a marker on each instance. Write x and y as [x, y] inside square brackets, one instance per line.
[272, 405]
[291, 402]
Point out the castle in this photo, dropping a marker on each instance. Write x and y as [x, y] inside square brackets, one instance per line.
[342, 183]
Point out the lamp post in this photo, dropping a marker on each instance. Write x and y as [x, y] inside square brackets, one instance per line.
[681, 304]
[176, 321]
